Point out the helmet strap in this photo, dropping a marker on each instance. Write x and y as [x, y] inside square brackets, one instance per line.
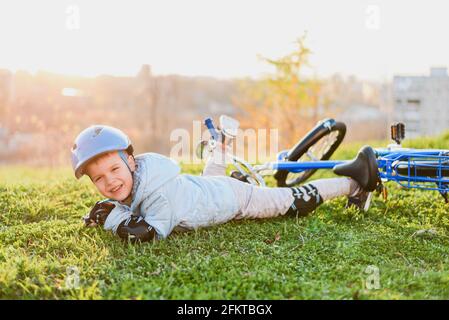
[124, 157]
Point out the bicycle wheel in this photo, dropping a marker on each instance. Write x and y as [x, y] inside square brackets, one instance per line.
[318, 144]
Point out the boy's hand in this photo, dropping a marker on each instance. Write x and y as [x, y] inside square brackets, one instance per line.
[98, 214]
[89, 223]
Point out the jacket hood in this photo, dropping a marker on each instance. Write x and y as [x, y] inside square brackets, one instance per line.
[152, 172]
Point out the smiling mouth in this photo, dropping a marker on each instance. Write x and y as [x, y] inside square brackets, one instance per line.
[116, 188]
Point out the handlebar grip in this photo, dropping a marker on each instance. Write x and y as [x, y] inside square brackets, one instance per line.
[210, 126]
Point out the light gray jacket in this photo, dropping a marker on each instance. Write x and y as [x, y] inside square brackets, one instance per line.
[167, 199]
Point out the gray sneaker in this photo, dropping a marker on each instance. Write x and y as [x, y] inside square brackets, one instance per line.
[361, 201]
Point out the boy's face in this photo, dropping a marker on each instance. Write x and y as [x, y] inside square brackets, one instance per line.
[111, 176]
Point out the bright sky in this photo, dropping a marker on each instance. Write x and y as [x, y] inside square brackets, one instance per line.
[370, 39]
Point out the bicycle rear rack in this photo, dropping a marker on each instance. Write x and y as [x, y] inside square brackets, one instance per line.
[417, 170]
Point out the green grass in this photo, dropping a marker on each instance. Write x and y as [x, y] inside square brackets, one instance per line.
[323, 256]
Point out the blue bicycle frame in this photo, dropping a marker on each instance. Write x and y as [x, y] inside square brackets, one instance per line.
[426, 169]
[404, 166]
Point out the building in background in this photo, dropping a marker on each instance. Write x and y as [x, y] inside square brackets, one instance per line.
[422, 102]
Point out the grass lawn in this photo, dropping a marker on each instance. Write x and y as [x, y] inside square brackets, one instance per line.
[335, 253]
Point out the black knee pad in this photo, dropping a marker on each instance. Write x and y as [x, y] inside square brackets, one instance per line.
[306, 200]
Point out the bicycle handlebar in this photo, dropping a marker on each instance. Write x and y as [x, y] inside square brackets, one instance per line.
[208, 122]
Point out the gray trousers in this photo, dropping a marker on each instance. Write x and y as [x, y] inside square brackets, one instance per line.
[263, 202]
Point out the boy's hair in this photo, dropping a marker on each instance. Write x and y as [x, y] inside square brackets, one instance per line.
[129, 151]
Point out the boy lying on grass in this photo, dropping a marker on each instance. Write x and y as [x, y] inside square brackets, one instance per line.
[148, 198]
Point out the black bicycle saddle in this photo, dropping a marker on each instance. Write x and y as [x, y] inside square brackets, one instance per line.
[362, 169]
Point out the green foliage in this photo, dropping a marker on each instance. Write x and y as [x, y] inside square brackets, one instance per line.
[323, 256]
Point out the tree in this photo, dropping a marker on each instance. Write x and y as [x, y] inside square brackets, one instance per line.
[286, 99]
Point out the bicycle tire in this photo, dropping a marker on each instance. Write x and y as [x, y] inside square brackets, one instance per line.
[320, 131]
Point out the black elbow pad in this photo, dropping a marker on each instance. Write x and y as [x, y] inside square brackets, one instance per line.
[136, 229]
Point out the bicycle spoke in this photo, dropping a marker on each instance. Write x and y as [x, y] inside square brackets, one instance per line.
[310, 155]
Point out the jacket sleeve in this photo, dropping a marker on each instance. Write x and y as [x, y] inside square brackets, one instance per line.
[157, 212]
